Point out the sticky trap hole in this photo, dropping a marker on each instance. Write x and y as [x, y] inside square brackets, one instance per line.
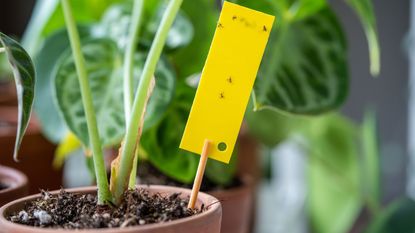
[222, 146]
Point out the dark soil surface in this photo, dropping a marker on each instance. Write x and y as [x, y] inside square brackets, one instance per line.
[3, 186]
[148, 174]
[75, 211]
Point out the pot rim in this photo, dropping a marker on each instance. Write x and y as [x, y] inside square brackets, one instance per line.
[209, 201]
[12, 177]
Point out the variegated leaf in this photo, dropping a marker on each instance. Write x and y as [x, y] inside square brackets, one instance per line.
[304, 70]
[24, 76]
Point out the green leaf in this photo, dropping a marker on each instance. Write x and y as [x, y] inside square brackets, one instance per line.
[398, 217]
[300, 9]
[103, 63]
[5, 70]
[161, 143]
[115, 23]
[272, 127]
[370, 164]
[334, 200]
[364, 9]
[116, 20]
[47, 112]
[24, 76]
[304, 69]
[203, 14]
[85, 11]
[180, 34]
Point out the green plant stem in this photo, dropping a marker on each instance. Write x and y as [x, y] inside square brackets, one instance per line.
[104, 195]
[134, 31]
[371, 170]
[133, 174]
[131, 140]
[2, 50]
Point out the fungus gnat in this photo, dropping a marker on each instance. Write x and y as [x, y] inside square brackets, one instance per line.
[222, 95]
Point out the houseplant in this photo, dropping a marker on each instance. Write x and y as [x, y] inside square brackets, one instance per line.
[158, 207]
[298, 18]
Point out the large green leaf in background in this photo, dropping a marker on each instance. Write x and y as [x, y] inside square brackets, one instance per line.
[160, 143]
[334, 199]
[5, 71]
[47, 17]
[85, 11]
[398, 217]
[304, 70]
[53, 126]
[24, 76]
[365, 11]
[180, 34]
[116, 20]
[272, 127]
[203, 15]
[300, 9]
[103, 63]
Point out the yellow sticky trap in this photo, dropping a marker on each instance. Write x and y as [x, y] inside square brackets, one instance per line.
[227, 79]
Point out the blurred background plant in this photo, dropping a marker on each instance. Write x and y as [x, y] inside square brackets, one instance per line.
[305, 71]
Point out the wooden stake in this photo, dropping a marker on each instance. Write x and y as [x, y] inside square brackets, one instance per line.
[199, 175]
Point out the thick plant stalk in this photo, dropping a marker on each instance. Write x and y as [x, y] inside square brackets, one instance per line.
[134, 31]
[104, 195]
[131, 139]
[133, 174]
[115, 164]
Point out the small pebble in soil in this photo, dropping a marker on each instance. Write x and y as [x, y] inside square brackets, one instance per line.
[80, 211]
[23, 216]
[43, 217]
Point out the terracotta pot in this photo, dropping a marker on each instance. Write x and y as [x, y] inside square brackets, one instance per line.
[8, 95]
[206, 222]
[237, 206]
[35, 154]
[16, 183]
[248, 156]
[249, 165]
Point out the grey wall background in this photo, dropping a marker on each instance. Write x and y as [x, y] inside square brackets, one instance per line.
[386, 94]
